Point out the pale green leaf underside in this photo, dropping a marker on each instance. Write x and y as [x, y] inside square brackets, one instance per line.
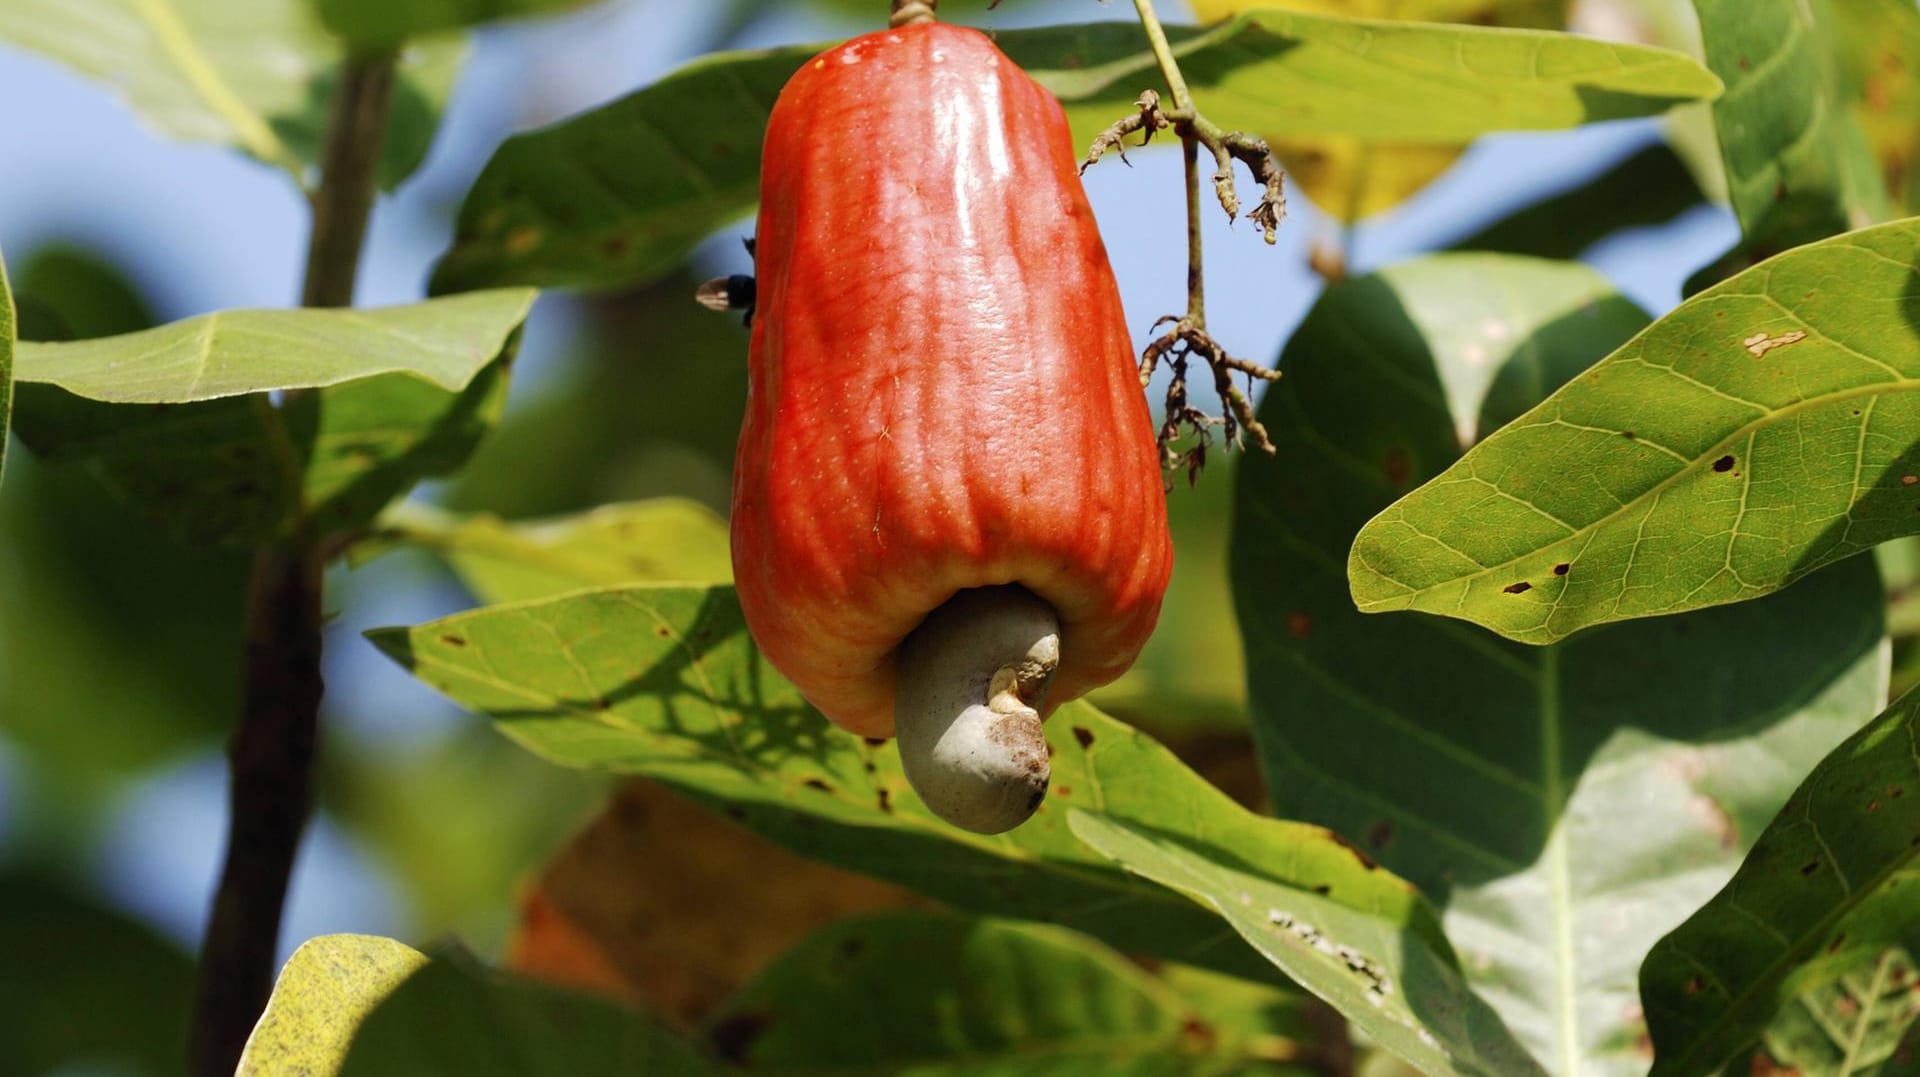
[1763, 429]
[933, 992]
[655, 541]
[1832, 884]
[621, 193]
[230, 353]
[1567, 803]
[1409, 999]
[665, 682]
[327, 988]
[254, 74]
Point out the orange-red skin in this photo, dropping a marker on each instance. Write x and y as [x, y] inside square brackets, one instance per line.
[942, 392]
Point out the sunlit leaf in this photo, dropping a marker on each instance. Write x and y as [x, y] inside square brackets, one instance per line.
[1349, 178]
[450, 1016]
[1410, 998]
[1764, 429]
[405, 392]
[254, 74]
[665, 682]
[662, 540]
[326, 990]
[389, 22]
[620, 194]
[1799, 167]
[941, 994]
[442, 341]
[1565, 804]
[1828, 888]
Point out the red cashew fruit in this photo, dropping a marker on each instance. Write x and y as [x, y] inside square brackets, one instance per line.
[943, 395]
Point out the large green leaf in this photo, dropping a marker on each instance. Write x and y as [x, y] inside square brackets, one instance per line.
[1568, 803]
[1763, 429]
[230, 353]
[1410, 999]
[933, 994]
[253, 74]
[620, 194]
[661, 540]
[390, 22]
[1828, 888]
[326, 990]
[1799, 167]
[83, 586]
[665, 682]
[356, 1006]
[7, 335]
[174, 421]
[84, 988]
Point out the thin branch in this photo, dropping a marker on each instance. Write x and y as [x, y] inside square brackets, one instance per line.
[1188, 337]
[271, 754]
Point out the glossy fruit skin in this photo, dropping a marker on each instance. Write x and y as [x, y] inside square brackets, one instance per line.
[942, 389]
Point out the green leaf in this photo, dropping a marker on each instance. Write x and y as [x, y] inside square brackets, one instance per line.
[1566, 804]
[326, 990]
[1798, 164]
[1762, 430]
[1829, 886]
[7, 335]
[390, 22]
[85, 988]
[455, 1017]
[253, 74]
[230, 353]
[620, 194]
[665, 682]
[931, 993]
[1408, 997]
[1851, 1026]
[404, 392]
[1652, 187]
[661, 540]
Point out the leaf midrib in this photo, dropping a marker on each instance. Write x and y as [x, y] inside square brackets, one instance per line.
[248, 126]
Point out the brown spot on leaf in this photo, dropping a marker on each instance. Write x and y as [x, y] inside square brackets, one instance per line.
[1518, 588]
[1365, 860]
[1696, 985]
[886, 800]
[1398, 466]
[1909, 480]
[1299, 624]
[1084, 736]
[1562, 568]
[1379, 834]
[1838, 941]
[874, 742]
[1810, 867]
[1323, 889]
[1723, 465]
[733, 1037]
[1063, 790]
[815, 783]
[453, 640]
